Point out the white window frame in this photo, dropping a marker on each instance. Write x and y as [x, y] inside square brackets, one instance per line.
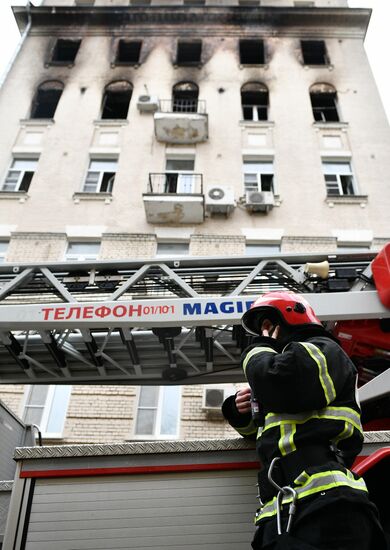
[82, 257]
[3, 253]
[158, 420]
[173, 252]
[100, 175]
[185, 178]
[21, 173]
[46, 410]
[268, 170]
[265, 246]
[331, 172]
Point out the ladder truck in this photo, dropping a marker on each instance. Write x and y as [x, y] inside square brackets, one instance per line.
[171, 322]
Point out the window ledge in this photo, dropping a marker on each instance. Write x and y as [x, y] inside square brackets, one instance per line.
[125, 64]
[37, 121]
[254, 66]
[81, 196]
[347, 199]
[20, 196]
[330, 125]
[257, 123]
[328, 66]
[68, 64]
[111, 122]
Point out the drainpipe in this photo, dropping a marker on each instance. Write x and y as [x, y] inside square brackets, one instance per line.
[19, 46]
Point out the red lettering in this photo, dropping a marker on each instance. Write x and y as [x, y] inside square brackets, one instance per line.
[74, 309]
[103, 311]
[46, 312]
[146, 310]
[59, 313]
[88, 312]
[119, 311]
[133, 309]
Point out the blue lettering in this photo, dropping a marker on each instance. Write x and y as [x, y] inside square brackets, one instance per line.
[248, 305]
[191, 309]
[210, 308]
[227, 307]
[239, 307]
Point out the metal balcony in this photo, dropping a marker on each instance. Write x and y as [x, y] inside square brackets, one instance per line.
[174, 197]
[182, 121]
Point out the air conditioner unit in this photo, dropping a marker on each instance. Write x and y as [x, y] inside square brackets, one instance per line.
[147, 103]
[259, 201]
[212, 399]
[220, 199]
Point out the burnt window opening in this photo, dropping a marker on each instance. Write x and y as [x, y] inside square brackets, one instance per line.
[254, 101]
[185, 98]
[128, 52]
[116, 100]
[65, 51]
[194, 2]
[252, 52]
[189, 53]
[323, 99]
[46, 99]
[314, 52]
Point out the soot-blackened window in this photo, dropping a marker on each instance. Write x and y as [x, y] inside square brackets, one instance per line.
[116, 100]
[314, 52]
[323, 99]
[128, 52]
[189, 52]
[46, 99]
[65, 50]
[252, 52]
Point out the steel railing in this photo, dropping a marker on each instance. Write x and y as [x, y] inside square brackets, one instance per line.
[175, 183]
[182, 106]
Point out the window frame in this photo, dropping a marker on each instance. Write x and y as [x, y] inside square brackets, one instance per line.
[326, 58]
[266, 246]
[100, 176]
[60, 63]
[3, 253]
[338, 175]
[261, 42]
[259, 184]
[117, 61]
[21, 176]
[169, 254]
[158, 418]
[47, 407]
[84, 257]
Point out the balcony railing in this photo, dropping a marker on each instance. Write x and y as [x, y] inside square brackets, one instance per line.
[183, 106]
[175, 183]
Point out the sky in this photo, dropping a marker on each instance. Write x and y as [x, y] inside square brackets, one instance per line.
[377, 42]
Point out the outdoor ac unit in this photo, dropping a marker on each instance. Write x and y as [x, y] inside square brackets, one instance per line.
[213, 399]
[259, 201]
[220, 199]
[147, 103]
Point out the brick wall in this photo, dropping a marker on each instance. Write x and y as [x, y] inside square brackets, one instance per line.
[217, 245]
[126, 246]
[36, 247]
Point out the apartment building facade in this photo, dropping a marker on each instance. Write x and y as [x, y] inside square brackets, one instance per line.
[142, 130]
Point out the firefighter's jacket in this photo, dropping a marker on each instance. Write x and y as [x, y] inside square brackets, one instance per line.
[306, 391]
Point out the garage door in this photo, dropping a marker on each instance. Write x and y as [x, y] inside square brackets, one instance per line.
[191, 511]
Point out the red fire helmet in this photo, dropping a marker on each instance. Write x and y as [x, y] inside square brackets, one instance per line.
[280, 307]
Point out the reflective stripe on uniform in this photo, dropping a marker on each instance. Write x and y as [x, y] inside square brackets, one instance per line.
[253, 352]
[250, 429]
[306, 485]
[344, 434]
[344, 414]
[286, 442]
[324, 376]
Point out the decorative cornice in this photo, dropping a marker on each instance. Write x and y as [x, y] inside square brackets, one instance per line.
[270, 19]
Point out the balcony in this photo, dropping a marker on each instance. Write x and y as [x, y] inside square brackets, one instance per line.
[174, 197]
[181, 121]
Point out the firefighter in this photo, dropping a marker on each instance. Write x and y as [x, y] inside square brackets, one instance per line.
[302, 408]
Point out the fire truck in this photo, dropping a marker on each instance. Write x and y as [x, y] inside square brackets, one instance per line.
[162, 323]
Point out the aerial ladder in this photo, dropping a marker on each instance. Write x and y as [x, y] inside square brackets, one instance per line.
[177, 321]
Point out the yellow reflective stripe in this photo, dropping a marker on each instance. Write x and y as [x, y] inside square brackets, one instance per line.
[310, 485]
[253, 352]
[286, 442]
[344, 434]
[325, 379]
[250, 429]
[344, 414]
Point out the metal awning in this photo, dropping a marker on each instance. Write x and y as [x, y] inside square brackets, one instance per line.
[157, 323]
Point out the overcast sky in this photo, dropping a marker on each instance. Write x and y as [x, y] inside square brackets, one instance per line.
[377, 40]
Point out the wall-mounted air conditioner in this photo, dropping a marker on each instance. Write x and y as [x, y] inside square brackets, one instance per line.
[219, 199]
[259, 201]
[213, 397]
[147, 103]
